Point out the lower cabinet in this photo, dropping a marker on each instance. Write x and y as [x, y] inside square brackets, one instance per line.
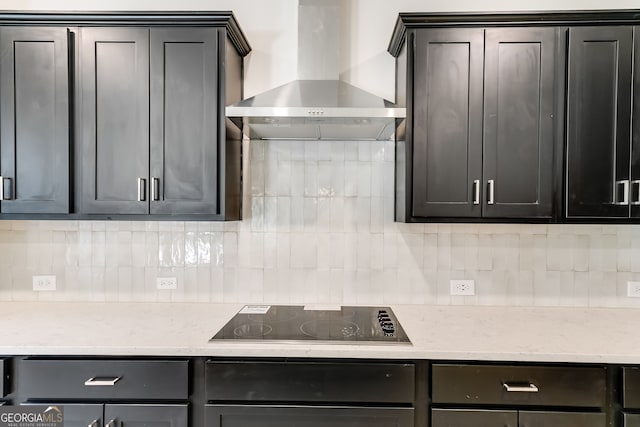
[121, 415]
[631, 420]
[306, 416]
[513, 418]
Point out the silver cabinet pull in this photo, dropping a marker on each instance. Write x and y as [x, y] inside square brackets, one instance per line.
[141, 188]
[155, 184]
[476, 191]
[94, 423]
[637, 200]
[112, 423]
[520, 387]
[3, 194]
[102, 381]
[625, 192]
[490, 198]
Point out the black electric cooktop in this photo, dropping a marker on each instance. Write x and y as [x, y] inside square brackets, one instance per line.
[293, 323]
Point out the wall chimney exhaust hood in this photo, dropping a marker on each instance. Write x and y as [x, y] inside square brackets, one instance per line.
[318, 105]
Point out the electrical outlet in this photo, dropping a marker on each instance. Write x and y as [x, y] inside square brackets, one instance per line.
[167, 283]
[44, 283]
[463, 287]
[633, 289]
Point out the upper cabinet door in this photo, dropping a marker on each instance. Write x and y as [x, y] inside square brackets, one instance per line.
[184, 121]
[34, 119]
[519, 122]
[599, 121]
[635, 152]
[114, 72]
[447, 122]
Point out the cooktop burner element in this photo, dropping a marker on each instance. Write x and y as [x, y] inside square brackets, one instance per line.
[289, 323]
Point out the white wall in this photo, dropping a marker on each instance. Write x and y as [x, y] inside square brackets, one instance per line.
[271, 26]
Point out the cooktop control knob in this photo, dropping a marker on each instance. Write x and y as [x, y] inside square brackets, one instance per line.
[386, 323]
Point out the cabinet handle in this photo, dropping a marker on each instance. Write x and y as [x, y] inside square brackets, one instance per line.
[625, 192]
[102, 381]
[520, 387]
[3, 194]
[155, 184]
[94, 423]
[476, 191]
[637, 201]
[112, 423]
[490, 198]
[141, 188]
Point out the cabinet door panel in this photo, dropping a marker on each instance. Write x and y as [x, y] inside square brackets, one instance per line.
[115, 119]
[473, 418]
[447, 122]
[147, 415]
[79, 414]
[635, 152]
[34, 114]
[519, 121]
[278, 416]
[631, 420]
[184, 124]
[599, 114]
[561, 419]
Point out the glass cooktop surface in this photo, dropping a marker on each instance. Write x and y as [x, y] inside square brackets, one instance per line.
[294, 323]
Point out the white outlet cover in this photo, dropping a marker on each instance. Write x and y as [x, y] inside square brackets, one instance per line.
[44, 283]
[462, 287]
[633, 289]
[166, 283]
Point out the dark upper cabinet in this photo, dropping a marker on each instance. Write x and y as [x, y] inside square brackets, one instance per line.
[114, 121]
[184, 132]
[519, 122]
[482, 126]
[34, 120]
[447, 122]
[599, 123]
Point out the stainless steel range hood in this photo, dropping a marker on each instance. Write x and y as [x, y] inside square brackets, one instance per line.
[318, 105]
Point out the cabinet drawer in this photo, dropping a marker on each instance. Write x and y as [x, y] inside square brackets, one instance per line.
[310, 381]
[4, 377]
[631, 387]
[631, 420]
[528, 385]
[104, 379]
[306, 416]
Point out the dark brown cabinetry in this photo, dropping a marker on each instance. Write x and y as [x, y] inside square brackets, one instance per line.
[509, 395]
[482, 122]
[631, 396]
[150, 101]
[600, 180]
[34, 120]
[109, 392]
[309, 394]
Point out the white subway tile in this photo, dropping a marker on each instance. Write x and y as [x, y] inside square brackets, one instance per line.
[325, 174]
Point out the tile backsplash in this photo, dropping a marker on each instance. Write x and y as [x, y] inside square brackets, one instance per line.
[319, 228]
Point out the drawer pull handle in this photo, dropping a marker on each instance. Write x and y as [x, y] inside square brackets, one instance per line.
[520, 387]
[94, 423]
[102, 381]
[112, 423]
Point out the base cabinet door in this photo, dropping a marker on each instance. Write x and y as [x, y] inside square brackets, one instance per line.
[561, 419]
[301, 416]
[631, 420]
[473, 418]
[79, 414]
[139, 415]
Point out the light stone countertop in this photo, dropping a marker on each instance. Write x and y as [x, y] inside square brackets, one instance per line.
[588, 335]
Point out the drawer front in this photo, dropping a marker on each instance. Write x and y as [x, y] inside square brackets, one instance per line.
[631, 387]
[519, 385]
[112, 379]
[309, 416]
[5, 376]
[473, 417]
[562, 419]
[631, 420]
[310, 381]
